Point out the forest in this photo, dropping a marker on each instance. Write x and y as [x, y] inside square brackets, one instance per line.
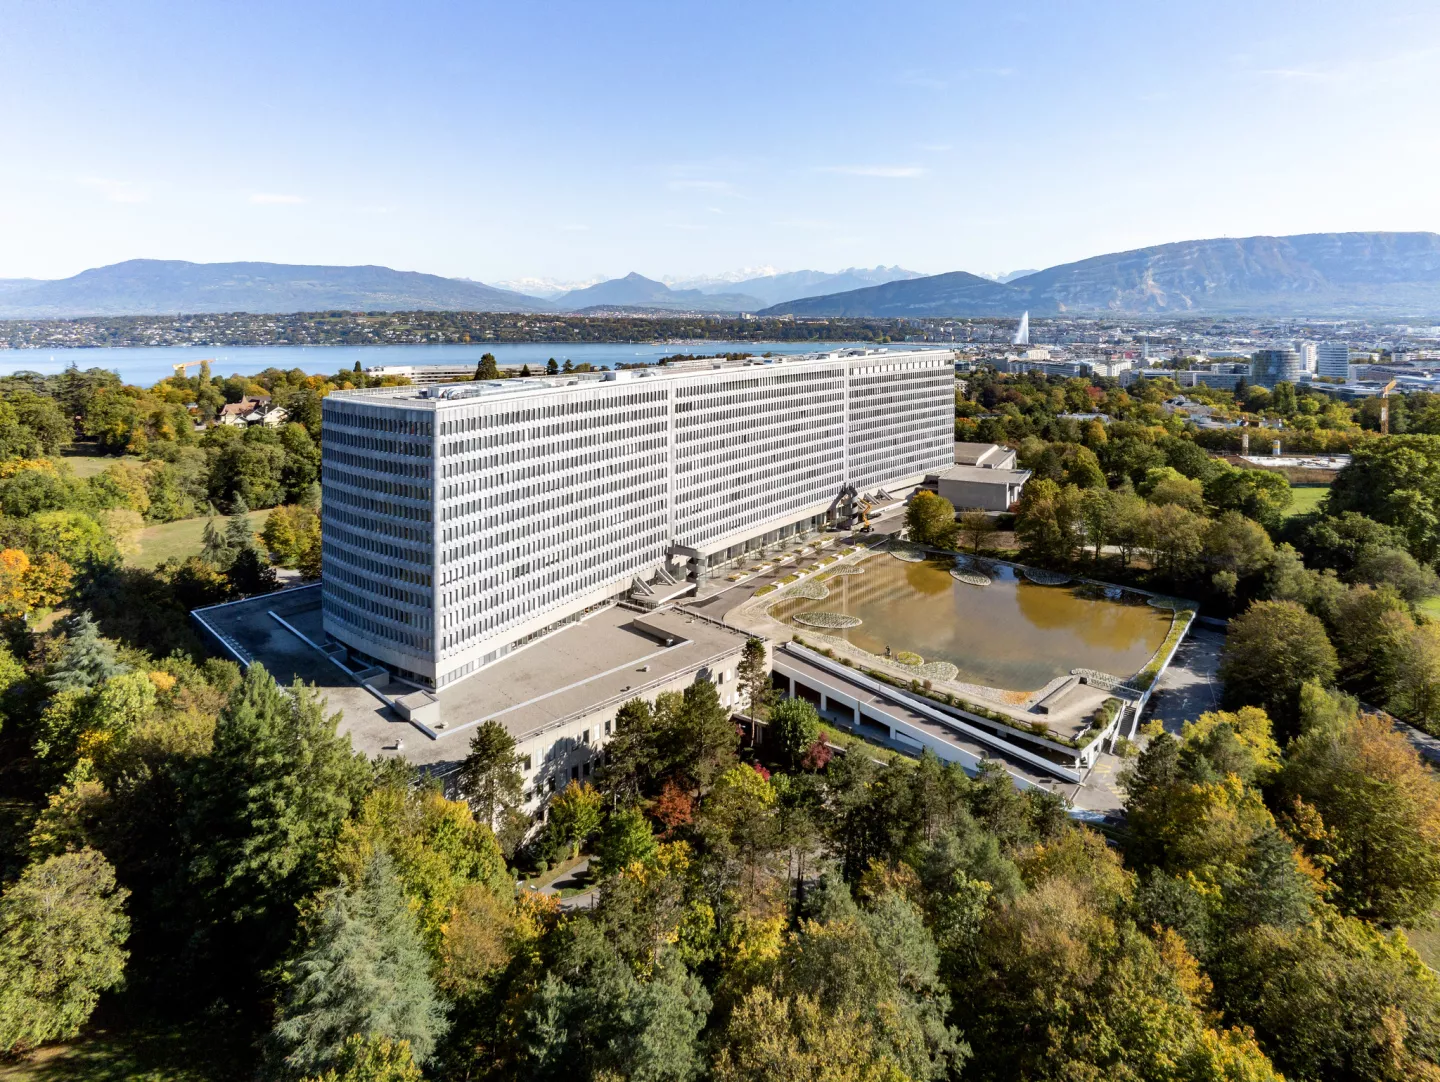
[189, 848]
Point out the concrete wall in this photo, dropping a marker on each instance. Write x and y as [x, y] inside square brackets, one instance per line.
[986, 495]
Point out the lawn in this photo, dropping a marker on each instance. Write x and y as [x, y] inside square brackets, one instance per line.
[182, 539]
[1306, 498]
[144, 1055]
[89, 465]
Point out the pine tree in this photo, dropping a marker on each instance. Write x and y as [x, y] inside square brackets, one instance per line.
[365, 973]
[490, 777]
[551, 368]
[215, 549]
[87, 660]
[524, 371]
[238, 534]
[264, 807]
[569, 365]
[487, 368]
[754, 678]
[706, 738]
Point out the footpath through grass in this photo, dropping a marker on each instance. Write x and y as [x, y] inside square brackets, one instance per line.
[180, 539]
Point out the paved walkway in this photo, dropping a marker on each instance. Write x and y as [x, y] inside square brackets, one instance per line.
[1190, 685]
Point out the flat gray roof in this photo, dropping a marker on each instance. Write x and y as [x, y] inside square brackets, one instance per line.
[576, 670]
[985, 476]
[434, 395]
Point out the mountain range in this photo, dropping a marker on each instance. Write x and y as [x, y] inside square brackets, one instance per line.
[637, 291]
[167, 286]
[1307, 274]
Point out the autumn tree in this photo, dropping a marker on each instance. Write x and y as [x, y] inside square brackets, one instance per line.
[1378, 808]
[931, 520]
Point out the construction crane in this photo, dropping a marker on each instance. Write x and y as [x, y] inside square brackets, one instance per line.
[865, 508]
[1385, 407]
[180, 368]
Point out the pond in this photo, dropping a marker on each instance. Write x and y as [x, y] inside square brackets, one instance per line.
[1011, 634]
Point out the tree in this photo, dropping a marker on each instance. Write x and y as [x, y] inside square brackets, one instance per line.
[365, 972]
[62, 942]
[639, 751]
[372, 1059]
[794, 726]
[1272, 649]
[524, 371]
[491, 780]
[264, 808]
[1396, 482]
[1164, 484]
[1380, 809]
[1173, 537]
[487, 368]
[771, 1036]
[753, 675]
[705, 739]
[976, 527]
[27, 585]
[574, 815]
[1048, 520]
[569, 365]
[1333, 1001]
[593, 1016]
[931, 520]
[551, 367]
[292, 534]
[87, 660]
[1257, 494]
[625, 839]
[1386, 565]
[438, 849]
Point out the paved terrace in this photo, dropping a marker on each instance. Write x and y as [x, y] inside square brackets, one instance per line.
[575, 670]
[1094, 794]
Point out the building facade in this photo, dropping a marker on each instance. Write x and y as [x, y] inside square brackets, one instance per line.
[1332, 359]
[463, 520]
[1271, 366]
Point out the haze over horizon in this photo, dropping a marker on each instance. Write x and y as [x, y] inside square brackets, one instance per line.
[500, 144]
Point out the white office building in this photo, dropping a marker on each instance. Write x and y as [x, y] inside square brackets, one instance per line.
[1332, 359]
[1308, 355]
[461, 520]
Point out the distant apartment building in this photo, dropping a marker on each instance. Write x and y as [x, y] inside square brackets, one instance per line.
[461, 520]
[1332, 360]
[1271, 366]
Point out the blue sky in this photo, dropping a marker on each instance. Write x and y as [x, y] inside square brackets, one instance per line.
[569, 140]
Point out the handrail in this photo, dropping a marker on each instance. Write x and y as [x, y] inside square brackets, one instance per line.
[984, 736]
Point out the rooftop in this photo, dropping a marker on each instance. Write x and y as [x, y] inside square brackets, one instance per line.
[584, 666]
[985, 475]
[432, 396]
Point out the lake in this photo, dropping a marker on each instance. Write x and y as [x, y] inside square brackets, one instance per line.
[145, 365]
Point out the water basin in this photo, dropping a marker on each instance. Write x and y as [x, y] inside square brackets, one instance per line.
[1011, 634]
